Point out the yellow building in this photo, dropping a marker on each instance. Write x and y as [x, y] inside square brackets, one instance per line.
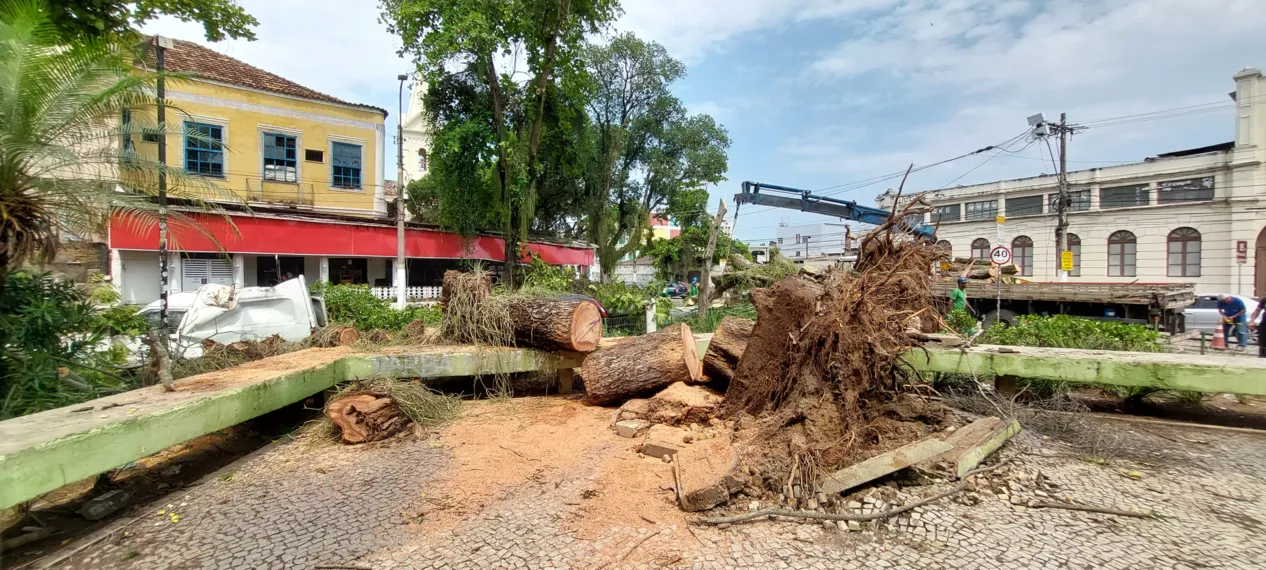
[310, 167]
[283, 143]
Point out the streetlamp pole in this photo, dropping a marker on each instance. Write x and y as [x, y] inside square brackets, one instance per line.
[401, 272]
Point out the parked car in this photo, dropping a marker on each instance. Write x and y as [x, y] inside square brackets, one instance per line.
[1203, 314]
[226, 314]
[678, 289]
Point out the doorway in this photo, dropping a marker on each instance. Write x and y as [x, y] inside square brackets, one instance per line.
[270, 270]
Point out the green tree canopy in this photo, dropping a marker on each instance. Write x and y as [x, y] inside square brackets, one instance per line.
[80, 19]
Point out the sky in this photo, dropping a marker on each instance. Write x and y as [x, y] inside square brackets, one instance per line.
[824, 94]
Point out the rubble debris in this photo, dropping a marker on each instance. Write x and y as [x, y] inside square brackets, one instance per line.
[641, 365]
[104, 504]
[631, 428]
[726, 348]
[883, 464]
[706, 473]
[852, 518]
[680, 404]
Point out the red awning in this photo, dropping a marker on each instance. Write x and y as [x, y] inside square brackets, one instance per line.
[264, 235]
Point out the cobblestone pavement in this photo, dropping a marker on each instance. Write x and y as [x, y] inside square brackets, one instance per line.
[296, 506]
[587, 507]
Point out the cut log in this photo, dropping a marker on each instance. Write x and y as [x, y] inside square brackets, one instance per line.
[478, 286]
[333, 336]
[641, 365]
[565, 322]
[366, 417]
[722, 357]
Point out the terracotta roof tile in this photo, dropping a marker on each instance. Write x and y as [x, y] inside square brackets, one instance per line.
[205, 63]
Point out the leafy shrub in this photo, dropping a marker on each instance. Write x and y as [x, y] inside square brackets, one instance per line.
[541, 276]
[620, 298]
[124, 319]
[961, 322]
[715, 316]
[357, 306]
[52, 339]
[1063, 331]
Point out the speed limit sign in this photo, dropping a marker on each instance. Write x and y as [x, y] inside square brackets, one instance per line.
[1000, 255]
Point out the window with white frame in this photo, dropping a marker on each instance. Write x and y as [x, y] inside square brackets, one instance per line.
[1183, 249]
[980, 249]
[982, 210]
[1122, 254]
[1022, 254]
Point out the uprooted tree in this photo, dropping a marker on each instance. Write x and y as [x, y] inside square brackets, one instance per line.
[820, 384]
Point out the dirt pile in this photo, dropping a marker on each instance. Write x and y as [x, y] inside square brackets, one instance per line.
[820, 385]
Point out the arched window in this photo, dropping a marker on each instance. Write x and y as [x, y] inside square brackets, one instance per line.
[980, 248]
[1184, 253]
[1074, 245]
[421, 160]
[945, 246]
[1022, 254]
[1122, 254]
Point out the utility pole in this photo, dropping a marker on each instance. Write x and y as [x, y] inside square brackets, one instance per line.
[160, 52]
[806, 247]
[401, 272]
[705, 289]
[1065, 200]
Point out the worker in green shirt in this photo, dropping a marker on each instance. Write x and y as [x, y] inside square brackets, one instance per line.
[958, 297]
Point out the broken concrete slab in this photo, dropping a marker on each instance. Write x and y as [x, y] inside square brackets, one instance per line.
[883, 464]
[706, 472]
[681, 403]
[663, 440]
[631, 428]
[977, 453]
[966, 438]
[103, 505]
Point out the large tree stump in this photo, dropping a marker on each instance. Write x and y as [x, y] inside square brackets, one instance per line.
[641, 365]
[781, 310]
[726, 348]
[565, 322]
[366, 417]
[332, 336]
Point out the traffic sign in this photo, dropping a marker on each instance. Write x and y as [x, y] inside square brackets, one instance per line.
[1000, 255]
[1066, 260]
[1001, 219]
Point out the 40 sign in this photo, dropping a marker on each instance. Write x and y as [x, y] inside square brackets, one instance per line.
[1000, 255]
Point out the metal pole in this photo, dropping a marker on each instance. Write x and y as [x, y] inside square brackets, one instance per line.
[401, 273]
[1061, 228]
[160, 54]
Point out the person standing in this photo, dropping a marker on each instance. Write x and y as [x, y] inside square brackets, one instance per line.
[958, 297]
[1261, 327]
[1234, 318]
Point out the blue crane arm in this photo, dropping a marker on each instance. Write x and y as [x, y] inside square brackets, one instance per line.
[808, 202]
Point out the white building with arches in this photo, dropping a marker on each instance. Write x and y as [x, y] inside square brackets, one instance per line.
[1193, 216]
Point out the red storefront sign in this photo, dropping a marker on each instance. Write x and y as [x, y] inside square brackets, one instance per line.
[280, 236]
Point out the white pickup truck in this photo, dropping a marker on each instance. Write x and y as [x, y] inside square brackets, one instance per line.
[227, 314]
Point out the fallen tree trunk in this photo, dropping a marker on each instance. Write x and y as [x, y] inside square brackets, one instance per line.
[332, 336]
[726, 348]
[642, 364]
[565, 322]
[477, 286]
[366, 417]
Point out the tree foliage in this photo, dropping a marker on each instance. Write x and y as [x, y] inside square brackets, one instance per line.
[80, 19]
[501, 114]
[59, 131]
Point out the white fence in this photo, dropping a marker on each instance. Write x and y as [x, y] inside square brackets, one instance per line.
[410, 293]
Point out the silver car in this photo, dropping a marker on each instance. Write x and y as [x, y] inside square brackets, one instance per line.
[1203, 314]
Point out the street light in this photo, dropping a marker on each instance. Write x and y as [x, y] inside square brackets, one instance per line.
[401, 273]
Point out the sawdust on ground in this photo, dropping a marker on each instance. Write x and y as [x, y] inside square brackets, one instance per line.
[498, 446]
[264, 369]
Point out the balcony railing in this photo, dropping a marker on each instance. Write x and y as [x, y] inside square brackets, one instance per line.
[277, 192]
[410, 293]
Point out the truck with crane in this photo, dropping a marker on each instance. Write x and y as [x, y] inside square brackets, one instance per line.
[1159, 305]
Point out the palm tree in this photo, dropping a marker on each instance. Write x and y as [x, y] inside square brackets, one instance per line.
[66, 162]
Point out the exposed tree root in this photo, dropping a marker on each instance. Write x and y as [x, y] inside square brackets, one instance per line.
[1094, 509]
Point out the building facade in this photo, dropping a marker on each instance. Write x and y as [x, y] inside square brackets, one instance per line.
[301, 177]
[813, 240]
[417, 135]
[1193, 216]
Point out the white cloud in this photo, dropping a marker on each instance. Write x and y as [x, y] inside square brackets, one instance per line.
[692, 29]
